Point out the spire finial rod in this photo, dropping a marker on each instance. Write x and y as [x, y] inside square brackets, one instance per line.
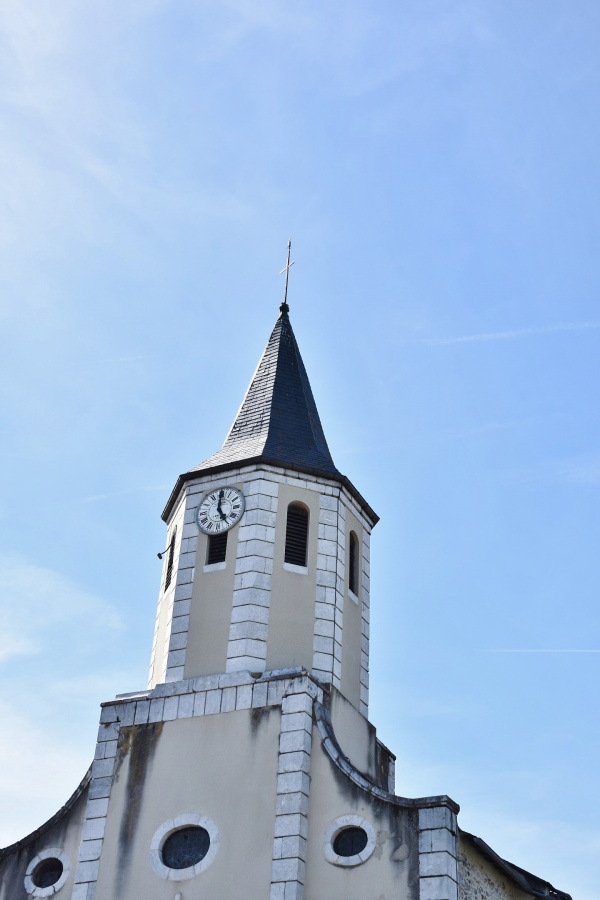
[284, 308]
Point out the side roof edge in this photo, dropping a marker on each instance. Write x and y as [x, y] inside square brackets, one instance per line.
[534, 886]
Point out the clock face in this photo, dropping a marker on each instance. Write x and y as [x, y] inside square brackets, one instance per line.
[220, 510]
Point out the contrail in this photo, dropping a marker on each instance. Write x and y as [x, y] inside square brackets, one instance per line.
[510, 335]
[94, 497]
[124, 359]
[541, 651]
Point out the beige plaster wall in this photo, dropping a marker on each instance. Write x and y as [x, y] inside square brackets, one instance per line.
[292, 612]
[64, 834]
[355, 735]
[210, 612]
[392, 871]
[351, 637]
[479, 880]
[223, 767]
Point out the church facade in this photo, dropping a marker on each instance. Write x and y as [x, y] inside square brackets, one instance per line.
[249, 768]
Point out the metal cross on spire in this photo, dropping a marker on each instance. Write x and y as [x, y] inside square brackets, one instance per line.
[284, 308]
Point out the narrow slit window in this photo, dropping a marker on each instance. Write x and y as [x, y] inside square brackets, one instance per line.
[217, 548]
[353, 563]
[169, 574]
[296, 534]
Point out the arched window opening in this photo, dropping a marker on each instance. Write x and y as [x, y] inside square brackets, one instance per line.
[296, 534]
[170, 559]
[353, 563]
[217, 548]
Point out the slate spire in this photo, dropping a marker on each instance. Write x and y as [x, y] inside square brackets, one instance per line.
[278, 420]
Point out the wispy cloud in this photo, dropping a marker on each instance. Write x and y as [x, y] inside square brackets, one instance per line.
[33, 786]
[582, 471]
[511, 335]
[37, 602]
[11, 646]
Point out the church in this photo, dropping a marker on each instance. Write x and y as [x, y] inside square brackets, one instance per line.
[249, 767]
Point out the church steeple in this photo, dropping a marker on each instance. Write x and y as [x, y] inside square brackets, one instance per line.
[278, 422]
[285, 583]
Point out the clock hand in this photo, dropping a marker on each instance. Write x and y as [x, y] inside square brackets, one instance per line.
[219, 510]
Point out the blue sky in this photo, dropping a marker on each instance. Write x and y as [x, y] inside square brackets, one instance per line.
[435, 164]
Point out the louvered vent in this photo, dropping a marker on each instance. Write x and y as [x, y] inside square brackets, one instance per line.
[353, 569]
[170, 559]
[217, 548]
[296, 534]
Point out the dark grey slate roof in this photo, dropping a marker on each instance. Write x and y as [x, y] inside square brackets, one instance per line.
[278, 420]
[277, 423]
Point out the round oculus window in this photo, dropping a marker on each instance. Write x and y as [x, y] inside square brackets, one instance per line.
[185, 847]
[47, 872]
[350, 841]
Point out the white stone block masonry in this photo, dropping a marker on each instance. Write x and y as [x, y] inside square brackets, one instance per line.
[249, 627]
[293, 784]
[329, 606]
[438, 877]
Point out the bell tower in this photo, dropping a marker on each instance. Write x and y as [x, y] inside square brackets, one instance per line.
[282, 581]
